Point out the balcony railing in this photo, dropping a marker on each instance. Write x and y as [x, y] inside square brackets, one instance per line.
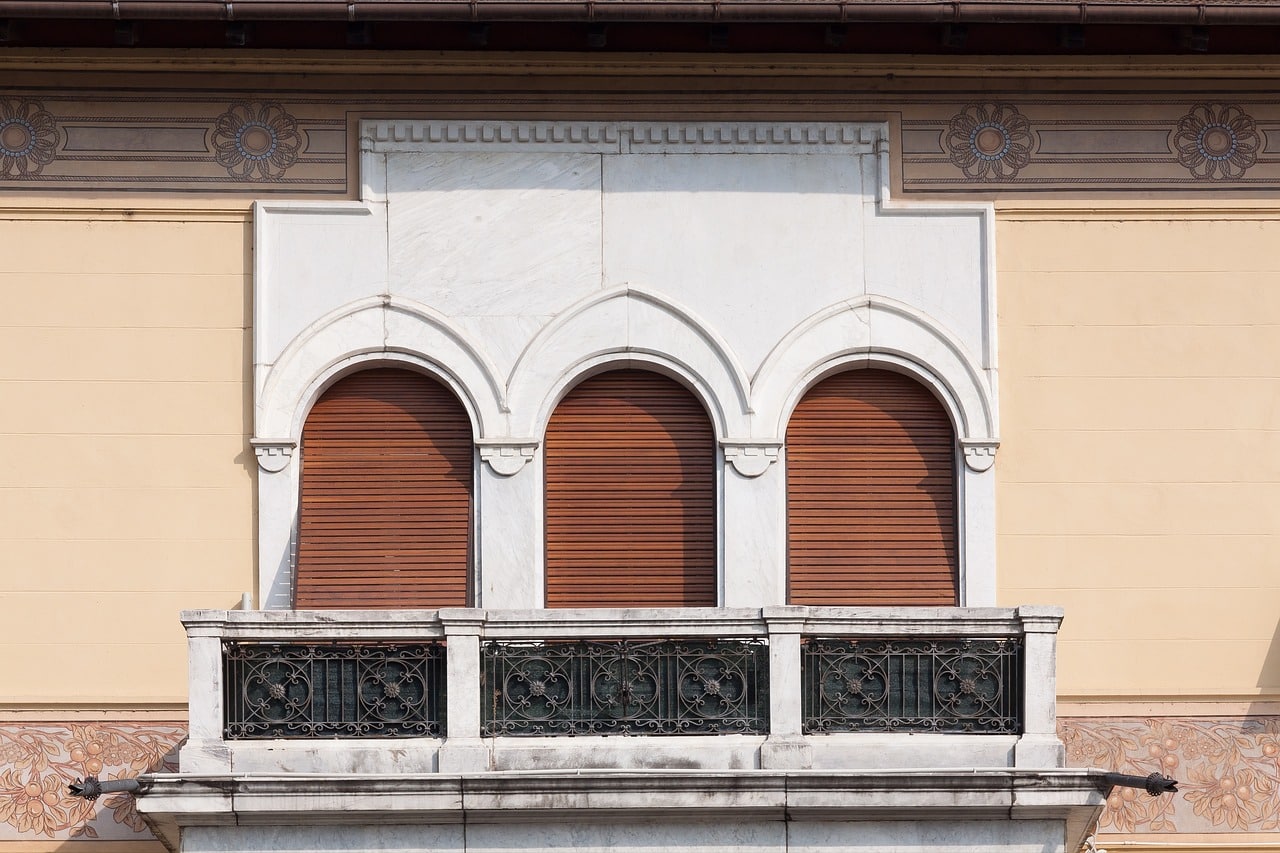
[797, 675]
[667, 687]
[935, 685]
[277, 690]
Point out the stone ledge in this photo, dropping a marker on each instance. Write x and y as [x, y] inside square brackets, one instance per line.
[170, 801]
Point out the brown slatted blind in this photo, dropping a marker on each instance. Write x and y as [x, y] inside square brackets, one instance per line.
[385, 514]
[871, 494]
[630, 506]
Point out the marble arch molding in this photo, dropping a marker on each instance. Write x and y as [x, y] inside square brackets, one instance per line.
[512, 259]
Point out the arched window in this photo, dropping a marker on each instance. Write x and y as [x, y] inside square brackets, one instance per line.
[871, 494]
[630, 495]
[385, 510]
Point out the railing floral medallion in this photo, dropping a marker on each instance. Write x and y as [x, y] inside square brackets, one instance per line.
[256, 140]
[1216, 142]
[989, 142]
[625, 687]
[39, 760]
[28, 137]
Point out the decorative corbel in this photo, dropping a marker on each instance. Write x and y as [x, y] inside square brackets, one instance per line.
[979, 455]
[273, 453]
[508, 457]
[751, 459]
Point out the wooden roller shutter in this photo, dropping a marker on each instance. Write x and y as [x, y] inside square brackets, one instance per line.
[385, 512]
[871, 494]
[630, 495]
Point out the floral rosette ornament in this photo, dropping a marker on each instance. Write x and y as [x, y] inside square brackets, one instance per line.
[28, 136]
[989, 142]
[256, 140]
[1217, 142]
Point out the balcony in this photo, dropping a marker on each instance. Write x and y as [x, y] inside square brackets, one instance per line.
[468, 690]
[772, 729]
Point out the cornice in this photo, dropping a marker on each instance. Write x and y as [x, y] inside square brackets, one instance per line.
[1091, 211]
[325, 66]
[134, 210]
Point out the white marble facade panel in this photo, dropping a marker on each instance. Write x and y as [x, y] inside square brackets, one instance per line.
[500, 234]
[311, 259]
[746, 260]
[925, 260]
[752, 243]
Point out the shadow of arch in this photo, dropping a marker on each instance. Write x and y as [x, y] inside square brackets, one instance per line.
[630, 498]
[386, 482]
[872, 499]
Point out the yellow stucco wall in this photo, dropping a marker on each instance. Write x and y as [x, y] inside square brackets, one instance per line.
[126, 489]
[1139, 475]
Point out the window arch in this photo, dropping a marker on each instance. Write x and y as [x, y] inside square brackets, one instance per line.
[871, 494]
[384, 517]
[630, 495]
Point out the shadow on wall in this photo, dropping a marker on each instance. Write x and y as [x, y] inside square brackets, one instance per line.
[1269, 677]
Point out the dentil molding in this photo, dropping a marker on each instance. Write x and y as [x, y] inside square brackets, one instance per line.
[621, 137]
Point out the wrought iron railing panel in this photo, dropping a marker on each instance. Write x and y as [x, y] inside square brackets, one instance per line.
[296, 690]
[928, 685]
[666, 687]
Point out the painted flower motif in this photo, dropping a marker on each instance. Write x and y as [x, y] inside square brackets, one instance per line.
[36, 806]
[87, 750]
[1237, 797]
[41, 761]
[256, 140]
[1217, 142]
[28, 136]
[989, 142]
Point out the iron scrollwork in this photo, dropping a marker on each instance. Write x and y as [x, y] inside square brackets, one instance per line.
[665, 687]
[314, 690]
[954, 685]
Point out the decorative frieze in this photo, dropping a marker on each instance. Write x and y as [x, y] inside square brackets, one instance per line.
[1228, 771]
[1126, 136]
[39, 760]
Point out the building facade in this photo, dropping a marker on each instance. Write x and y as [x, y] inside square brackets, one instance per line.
[692, 435]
